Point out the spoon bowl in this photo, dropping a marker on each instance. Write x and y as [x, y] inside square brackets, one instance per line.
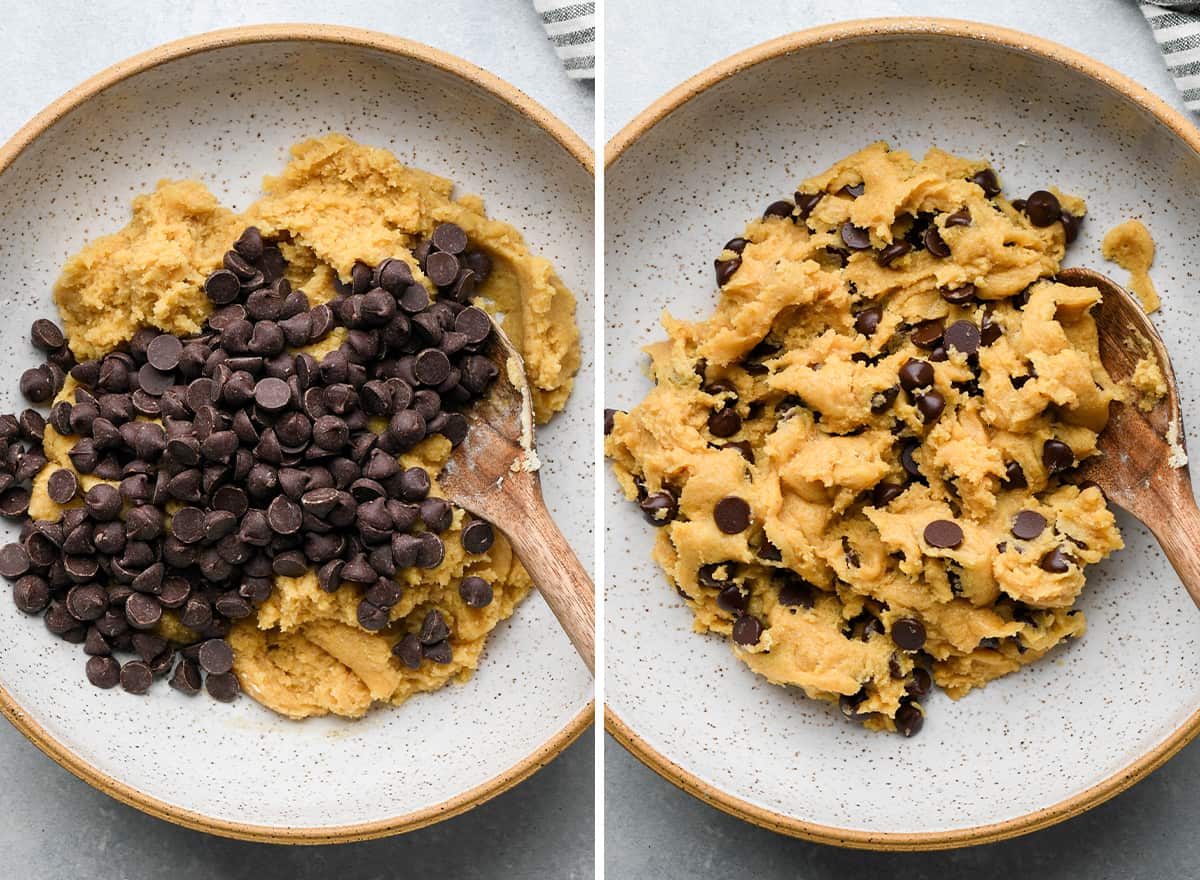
[493, 474]
[1142, 465]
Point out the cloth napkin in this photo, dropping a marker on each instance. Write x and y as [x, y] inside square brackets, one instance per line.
[571, 27]
[1176, 28]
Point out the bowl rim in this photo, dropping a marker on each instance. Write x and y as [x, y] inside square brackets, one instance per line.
[841, 32]
[360, 38]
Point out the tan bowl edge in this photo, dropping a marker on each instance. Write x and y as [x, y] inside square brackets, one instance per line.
[642, 123]
[516, 99]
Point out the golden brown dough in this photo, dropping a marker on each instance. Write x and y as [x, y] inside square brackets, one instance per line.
[1130, 246]
[853, 570]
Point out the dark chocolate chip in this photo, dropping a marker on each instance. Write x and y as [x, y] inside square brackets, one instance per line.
[1043, 208]
[732, 515]
[747, 630]
[943, 534]
[1028, 524]
[908, 634]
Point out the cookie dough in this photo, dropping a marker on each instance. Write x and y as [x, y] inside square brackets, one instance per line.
[1130, 246]
[337, 202]
[860, 463]
[1148, 383]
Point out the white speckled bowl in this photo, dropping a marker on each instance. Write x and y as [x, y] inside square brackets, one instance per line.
[683, 178]
[223, 108]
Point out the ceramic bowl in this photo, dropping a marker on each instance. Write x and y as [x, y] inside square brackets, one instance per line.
[1036, 746]
[224, 108]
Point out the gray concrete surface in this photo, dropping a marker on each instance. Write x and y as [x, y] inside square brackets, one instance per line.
[654, 830]
[56, 827]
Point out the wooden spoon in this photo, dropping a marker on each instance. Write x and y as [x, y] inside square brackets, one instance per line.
[1142, 467]
[494, 475]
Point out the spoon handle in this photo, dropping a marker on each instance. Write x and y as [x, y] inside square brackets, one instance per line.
[1178, 533]
[553, 565]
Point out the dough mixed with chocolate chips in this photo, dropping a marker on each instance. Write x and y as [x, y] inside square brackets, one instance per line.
[861, 464]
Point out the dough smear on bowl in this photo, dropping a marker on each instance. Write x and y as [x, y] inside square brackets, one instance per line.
[861, 463]
[302, 651]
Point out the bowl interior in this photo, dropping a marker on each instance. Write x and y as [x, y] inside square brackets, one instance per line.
[227, 116]
[688, 184]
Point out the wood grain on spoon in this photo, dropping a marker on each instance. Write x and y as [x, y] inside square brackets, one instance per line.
[494, 475]
[1142, 467]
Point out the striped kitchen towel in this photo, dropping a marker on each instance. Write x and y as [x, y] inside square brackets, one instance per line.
[1176, 27]
[571, 27]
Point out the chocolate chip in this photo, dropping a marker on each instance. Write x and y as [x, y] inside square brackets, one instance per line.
[474, 324]
[961, 217]
[37, 384]
[222, 287]
[442, 652]
[986, 180]
[892, 252]
[934, 243]
[726, 269]
[927, 334]
[930, 405]
[371, 617]
[14, 502]
[224, 686]
[1014, 476]
[1042, 208]
[475, 592]
[186, 678]
[886, 492]
[943, 534]
[908, 634]
[478, 536]
[806, 202]
[136, 676]
[960, 296]
[103, 502]
[284, 515]
[442, 268]
[867, 321]
[854, 237]
[724, 422]
[450, 238]
[87, 602]
[659, 508]
[272, 394]
[915, 374]
[747, 630]
[431, 551]
[963, 336]
[732, 515]
[188, 524]
[414, 484]
[215, 656]
[1056, 561]
[436, 513]
[408, 649]
[432, 367]
[163, 352]
[143, 611]
[1057, 457]
[909, 720]
[31, 593]
[14, 561]
[103, 671]
[881, 401]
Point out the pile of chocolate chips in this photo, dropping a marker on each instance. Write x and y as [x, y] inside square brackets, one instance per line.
[268, 453]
